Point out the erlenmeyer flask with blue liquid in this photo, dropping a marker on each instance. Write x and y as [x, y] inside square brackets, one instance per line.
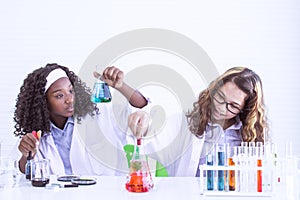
[101, 92]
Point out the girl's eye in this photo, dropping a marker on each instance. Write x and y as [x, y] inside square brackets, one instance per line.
[59, 96]
[233, 106]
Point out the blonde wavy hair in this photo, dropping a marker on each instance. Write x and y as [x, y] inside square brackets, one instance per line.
[253, 115]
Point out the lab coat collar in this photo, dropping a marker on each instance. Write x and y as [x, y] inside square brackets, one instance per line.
[53, 126]
[196, 152]
[47, 149]
[236, 126]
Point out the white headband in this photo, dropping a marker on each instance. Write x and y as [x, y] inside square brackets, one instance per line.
[54, 76]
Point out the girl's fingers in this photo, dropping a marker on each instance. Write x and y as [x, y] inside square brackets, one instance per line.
[28, 143]
[138, 123]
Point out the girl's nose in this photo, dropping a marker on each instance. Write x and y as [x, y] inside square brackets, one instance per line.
[70, 98]
[223, 108]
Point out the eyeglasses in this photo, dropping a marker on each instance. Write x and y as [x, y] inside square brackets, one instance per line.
[219, 98]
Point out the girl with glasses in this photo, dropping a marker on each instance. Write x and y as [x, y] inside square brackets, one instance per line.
[230, 110]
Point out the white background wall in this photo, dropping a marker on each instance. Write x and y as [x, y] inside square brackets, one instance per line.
[262, 35]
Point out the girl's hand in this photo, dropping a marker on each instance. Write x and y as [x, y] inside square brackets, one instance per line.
[113, 77]
[138, 123]
[29, 142]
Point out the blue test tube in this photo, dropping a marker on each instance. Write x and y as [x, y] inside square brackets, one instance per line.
[221, 162]
[210, 173]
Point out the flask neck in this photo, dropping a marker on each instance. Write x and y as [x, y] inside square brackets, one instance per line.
[98, 80]
[139, 151]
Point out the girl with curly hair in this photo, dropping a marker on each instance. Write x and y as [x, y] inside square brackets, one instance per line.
[53, 100]
[230, 110]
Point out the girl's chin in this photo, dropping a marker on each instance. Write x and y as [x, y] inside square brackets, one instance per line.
[218, 116]
[69, 114]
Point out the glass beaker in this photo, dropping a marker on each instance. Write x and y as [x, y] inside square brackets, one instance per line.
[139, 178]
[7, 172]
[41, 173]
[101, 92]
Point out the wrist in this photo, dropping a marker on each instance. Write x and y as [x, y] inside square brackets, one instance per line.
[119, 86]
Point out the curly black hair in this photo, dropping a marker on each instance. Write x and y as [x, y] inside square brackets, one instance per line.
[31, 111]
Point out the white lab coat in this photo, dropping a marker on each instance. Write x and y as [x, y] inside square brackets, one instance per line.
[175, 147]
[96, 147]
[179, 150]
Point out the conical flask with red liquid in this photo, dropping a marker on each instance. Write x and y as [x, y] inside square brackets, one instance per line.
[139, 178]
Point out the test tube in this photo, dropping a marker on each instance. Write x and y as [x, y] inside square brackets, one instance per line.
[289, 149]
[268, 167]
[221, 162]
[252, 167]
[259, 156]
[238, 172]
[290, 172]
[244, 144]
[231, 152]
[210, 173]
[251, 149]
[243, 166]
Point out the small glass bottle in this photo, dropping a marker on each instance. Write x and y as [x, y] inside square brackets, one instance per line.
[139, 178]
[29, 167]
[101, 92]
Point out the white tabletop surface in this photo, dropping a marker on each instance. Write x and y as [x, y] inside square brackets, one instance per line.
[186, 188]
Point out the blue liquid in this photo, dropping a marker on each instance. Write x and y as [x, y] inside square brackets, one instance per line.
[221, 162]
[101, 93]
[220, 180]
[210, 173]
[29, 170]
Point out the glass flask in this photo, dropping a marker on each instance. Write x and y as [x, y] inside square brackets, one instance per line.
[139, 178]
[101, 92]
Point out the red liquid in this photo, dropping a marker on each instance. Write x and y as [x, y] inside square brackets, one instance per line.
[139, 178]
[136, 183]
[259, 176]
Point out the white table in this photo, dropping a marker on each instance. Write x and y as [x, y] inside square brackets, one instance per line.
[186, 188]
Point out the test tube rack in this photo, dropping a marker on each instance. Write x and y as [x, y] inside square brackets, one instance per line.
[245, 179]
